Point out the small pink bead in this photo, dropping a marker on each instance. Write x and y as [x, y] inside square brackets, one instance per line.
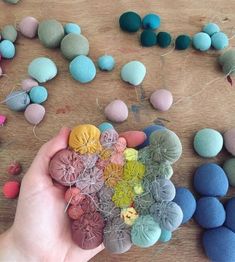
[161, 99]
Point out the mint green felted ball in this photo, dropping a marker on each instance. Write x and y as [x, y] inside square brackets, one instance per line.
[227, 61]
[211, 28]
[38, 94]
[133, 73]
[201, 41]
[229, 168]
[9, 33]
[148, 38]
[130, 22]
[219, 41]
[208, 142]
[163, 39]
[182, 42]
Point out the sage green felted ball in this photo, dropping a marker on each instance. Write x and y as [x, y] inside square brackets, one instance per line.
[227, 61]
[12, 1]
[74, 45]
[50, 33]
[130, 22]
[229, 168]
[182, 42]
[9, 33]
[163, 39]
[148, 38]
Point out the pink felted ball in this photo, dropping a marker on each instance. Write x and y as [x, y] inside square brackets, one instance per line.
[116, 111]
[28, 84]
[14, 169]
[11, 189]
[229, 141]
[28, 26]
[34, 113]
[161, 99]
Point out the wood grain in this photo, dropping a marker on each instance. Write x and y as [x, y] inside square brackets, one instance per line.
[70, 103]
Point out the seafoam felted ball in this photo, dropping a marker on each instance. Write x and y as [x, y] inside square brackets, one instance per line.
[28, 83]
[229, 141]
[182, 42]
[9, 33]
[210, 180]
[229, 168]
[105, 126]
[133, 73]
[201, 41]
[161, 99]
[219, 41]
[34, 113]
[42, 69]
[7, 49]
[166, 236]
[208, 142]
[38, 94]
[185, 199]
[227, 61]
[82, 69]
[211, 28]
[17, 100]
[28, 26]
[130, 21]
[148, 38]
[72, 28]
[116, 111]
[106, 63]
[230, 214]
[209, 212]
[151, 21]
[163, 189]
[163, 39]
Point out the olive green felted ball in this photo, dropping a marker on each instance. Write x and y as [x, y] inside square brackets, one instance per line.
[130, 22]
[148, 38]
[163, 39]
[229, 168]
[182, 42]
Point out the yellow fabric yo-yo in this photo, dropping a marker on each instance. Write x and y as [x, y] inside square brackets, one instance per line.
[129, 215]
[133, 171]
[123, 195]
[113, 174]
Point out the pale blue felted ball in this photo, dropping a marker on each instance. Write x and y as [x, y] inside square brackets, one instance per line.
[211, 28]
[211, 180]
[38, 94]
[219, 41]
[151, 21]
[230, 214]
[165, 236]
[201, 41]
[219, 244]
[106, 63]
[82, 69]
[209, 212]
[208, 142]
[72, 28]
[105, 126]
[185, 199]
[17, 100]
[7, 49]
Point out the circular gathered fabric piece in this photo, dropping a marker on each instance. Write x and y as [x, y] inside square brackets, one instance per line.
[88, 160]
[75, 212]
[143, 203]
[90, 203]
[28, 26]
[131, 154]
[7, 49]
[164, 39]
[121, 144]
[9, 32]
[123, 194]
[159, 170]
[219, 41]
[73, 196]
[227, 61]
[109, 138]
[113, 173]
[129, 215]
[108, 210]
[163, 190]
[116, 111]
[106, 63]
[133, 171]
[105, 194]
[72, 28]
[105, 126]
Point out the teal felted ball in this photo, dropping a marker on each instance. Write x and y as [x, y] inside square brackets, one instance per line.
[82, 69]
[72, 28]
[219, 41]
[17, 100]
[105, 126]
[182, 42]
[229, 168]
[208, 142]
[148, 38]
[163, 39]
[38, 94]
[7, 49]
[151, 21]
[145, 232]
[201, 41]
[130, 21]
[166, 236]
[230, 214]
[211, 28]
[106, 63]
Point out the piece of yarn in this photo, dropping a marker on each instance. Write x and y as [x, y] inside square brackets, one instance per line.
[106, 63]
[72, 28]
[219, 41]
[230, 214]
[148, 38]
[134, 138]
[208, 142]
[229, 141]
[108, 138]
[163, 39]
[34, 113]
[28, 84]
[201, 41]
[73, 196]
[133, 72]
[229, 168]
[7, 49]
[130, 154]
[113, 173]
[14, 169]
[161, 99]
[75, 212]
[209, 212]
[151, 21]
[28, 26]
[227, 61]
[38, 94]
[105, 126]
[129, 215]
[166, 236]
[211, 29]
[130, 22]
[17, 101]
[116, 111]
[163, 190]
[11, 189]
[182, 42]
[9, 33]
[123, 194]
[143, 202]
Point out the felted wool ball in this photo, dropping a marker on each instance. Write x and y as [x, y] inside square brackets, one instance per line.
[165, 236]
[74, 196]
[9, 33]
[12, 1]
[211, 28]
[130, 22]
[208, 142]
[227, 61]
[163, 190]
[42, 69]
[145, 232]
[211, 180]
[17, 101]
[164, 39]
[230, 214]
[7, 49]
[72, 28]
[28, 83]
[219, 244]
[219, 41]
[50, 33]
[133, 138]
[185, 199]
[209, 212]
[75, 212]
[148, 38]
[133, 73]
[161, 99]
[143, 202]
[116, 111]
[229, 168]
[182, 42]
[229, 141]
[106, 63]
[14, 169]
[109, 138]
[11, 189]
[151, 21]
[74, 45]
[82, 69]
[105, 126]
[28, 26]
[38, 94]
[34, 113]
[201, 41]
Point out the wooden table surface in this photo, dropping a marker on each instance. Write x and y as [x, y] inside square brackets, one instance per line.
[70, 103]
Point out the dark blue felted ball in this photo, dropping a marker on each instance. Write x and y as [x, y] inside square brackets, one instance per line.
[230, 214]
[185, 199]
[211, 180]
[209, 212]
[219, 244]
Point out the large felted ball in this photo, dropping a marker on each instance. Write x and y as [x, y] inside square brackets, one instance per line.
[209, 212]
[17, 101]
[211, 180]
[148, 38]
[163, 190]
[182, 42]
[219, 244]
[163, 39]
[151, 21]
[201, 41]
[230, 214]
[219, 41]
[229, 141]
[208, 142]
[130, 22]
[229, 168]
[211, 28]
[185, 199]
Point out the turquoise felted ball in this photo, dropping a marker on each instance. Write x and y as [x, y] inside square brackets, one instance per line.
[106, 63]
[208, 142]
[230, 214]
[145, 232]
[148, 38]
[7, 49]
[182, 42]
[163, 39]
[201, 41]
[82, 69]
[166, 236]
[105, 126]
[130, 22]
[17, 100]
[229, 168]
[211, 28]
[219, 41]
[151, 21]
[72, 28]
[38, 94]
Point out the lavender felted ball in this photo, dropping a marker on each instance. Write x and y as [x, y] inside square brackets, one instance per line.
[161, 99]
[229, 141]
[116, 111]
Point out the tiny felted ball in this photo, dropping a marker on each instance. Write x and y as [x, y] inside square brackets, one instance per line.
[72, 28]
[133, 73]
[211, 28]
[208, 142]
[14, 169]
[73, 196]
[166, 236]
[129, 215]
[116, 111]
[9, 33]
[151, 21]
[105, 126]
[28, 26]
[229, 168]
[108, 138]
[17, 100]
[201, 41]
[182, 42]
[161, 99]
[210, 180]
[133, 138]
[185, 199]
[123, 194]
[143, 202]
[11, 189]
[38, 94]
[28, 83]
[230, 214]
[75, 212]
[219, 41]
[164, 39]
[113, 173]
[148, 38]
[34, 113]
[229, 141]
[145, 232]
[106, 63]
[130, 22]
[163, 190]
[7, 49]
[209, 212]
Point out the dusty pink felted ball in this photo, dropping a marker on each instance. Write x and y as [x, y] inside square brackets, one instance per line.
[229, 141]
[34, 113]
[116, 111]
[28, 26]
[161, 99]
[28, 84]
